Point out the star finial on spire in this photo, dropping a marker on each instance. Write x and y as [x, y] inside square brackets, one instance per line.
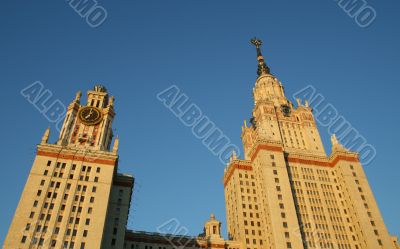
[262, 67]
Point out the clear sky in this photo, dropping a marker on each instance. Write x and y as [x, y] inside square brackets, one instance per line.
[203, 47]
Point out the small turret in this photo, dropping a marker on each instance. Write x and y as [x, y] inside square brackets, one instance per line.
[78, 97]
[116, 145]
[212, 229]
[46, 135]
[336, 146]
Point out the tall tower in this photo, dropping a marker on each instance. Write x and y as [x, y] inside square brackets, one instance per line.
[287, 193]
[74, 197]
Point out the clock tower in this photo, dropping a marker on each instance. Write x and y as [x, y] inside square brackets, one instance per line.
[89, 126]
[74, 197]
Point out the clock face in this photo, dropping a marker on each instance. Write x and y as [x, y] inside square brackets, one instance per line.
[90, 115]
[286, 110]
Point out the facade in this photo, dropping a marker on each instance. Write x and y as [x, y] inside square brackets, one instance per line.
[287, 193]
[74, 197]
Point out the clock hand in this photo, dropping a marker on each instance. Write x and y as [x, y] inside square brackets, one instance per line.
[90, 114]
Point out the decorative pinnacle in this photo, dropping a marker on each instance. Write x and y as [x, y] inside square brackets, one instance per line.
[262, 67]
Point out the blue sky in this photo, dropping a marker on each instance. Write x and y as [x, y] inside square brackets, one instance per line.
[202, 47]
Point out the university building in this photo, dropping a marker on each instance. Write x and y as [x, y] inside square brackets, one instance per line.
[285, 193]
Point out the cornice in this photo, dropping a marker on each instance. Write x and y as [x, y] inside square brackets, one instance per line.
[77, 153]
[234, 165]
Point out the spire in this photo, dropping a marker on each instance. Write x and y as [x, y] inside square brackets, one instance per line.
[78, 97]
[262, 67]
[116, 145]
[46, 135]
[336, 146]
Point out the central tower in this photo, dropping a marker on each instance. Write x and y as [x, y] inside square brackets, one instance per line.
[287, 193]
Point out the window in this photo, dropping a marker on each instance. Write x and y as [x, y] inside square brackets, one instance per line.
[42, 182]
[289, 245]
[48, 163]
[96, 179]
[73, 166]
[45, 172]
[23, 240]
[31, 215]
[28, 226]
[94, 189]
[83, 245]
[85, 233]
[98, 170]
[35, 203]
[39, 192]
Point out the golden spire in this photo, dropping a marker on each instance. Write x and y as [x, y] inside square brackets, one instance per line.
[262, 67]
